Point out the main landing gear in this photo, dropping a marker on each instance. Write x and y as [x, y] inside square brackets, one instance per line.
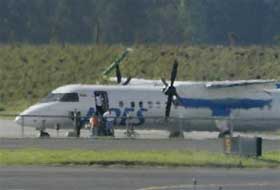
[176, 134]
[175, 131]
[43, 134]
[224, 134]
[225, 127]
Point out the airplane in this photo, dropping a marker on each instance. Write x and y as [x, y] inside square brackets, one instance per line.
[243, 105]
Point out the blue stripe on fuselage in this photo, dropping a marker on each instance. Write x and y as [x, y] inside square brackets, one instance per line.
[223, 107]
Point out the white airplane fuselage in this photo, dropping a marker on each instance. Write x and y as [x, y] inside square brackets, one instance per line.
[248, 107]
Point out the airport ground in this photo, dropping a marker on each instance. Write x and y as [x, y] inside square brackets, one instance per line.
[11, 137]
[137, 178]
[211, 145]
[133, 178]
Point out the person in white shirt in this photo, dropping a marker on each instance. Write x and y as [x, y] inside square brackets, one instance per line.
[109, 118]
[99, 104]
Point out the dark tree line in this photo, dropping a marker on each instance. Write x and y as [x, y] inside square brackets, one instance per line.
[140, 21]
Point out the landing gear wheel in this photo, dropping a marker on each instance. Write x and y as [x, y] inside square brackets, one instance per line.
[176, 134]
[224, 134]
[44, 134]
[71, 134]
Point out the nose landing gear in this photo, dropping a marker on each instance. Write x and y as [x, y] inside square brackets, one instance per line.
[43, 133]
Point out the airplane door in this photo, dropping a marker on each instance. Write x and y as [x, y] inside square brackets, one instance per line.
[101, 101]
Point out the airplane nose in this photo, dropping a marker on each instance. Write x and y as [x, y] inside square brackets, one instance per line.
[18, 120]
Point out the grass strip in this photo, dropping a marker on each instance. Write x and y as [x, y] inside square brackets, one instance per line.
[131, 158]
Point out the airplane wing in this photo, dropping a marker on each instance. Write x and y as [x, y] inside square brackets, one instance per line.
[225, 84]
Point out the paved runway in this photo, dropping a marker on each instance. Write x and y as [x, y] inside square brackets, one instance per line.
[10, 138]
[117, 178]
[9, 129]
[212, 145]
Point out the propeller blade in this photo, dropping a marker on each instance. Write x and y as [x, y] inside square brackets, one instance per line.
[174, 72]
[127, 81]
[164, 82]
[177, 96]
[178, 100]
[168, 106]
[171, 90]
[118, 74]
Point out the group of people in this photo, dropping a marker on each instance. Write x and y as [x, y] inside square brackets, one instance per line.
[101, 123]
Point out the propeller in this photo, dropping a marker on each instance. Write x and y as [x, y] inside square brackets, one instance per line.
[116, 65]
[170, 91]
[127, 81]
[164, 82]
[119, 77]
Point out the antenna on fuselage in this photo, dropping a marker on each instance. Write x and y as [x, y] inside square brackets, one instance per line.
[116, 65]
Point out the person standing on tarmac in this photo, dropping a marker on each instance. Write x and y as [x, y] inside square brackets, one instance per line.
[130, 121]
[129, 124]
[109, 118]
[94, 124]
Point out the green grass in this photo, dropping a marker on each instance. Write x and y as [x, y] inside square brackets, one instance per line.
[29, 72]
[144, 158]
[272, 156]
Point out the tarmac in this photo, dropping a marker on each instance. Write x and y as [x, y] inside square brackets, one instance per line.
[138, 178]
[11, 137]
[212, 145]
[133, 178]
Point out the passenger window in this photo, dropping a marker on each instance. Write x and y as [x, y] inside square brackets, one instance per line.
[158, 104]
[70, 97]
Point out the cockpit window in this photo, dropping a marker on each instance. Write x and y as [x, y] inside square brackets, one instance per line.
[62, 97]
[70, 97]
[51, 98]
